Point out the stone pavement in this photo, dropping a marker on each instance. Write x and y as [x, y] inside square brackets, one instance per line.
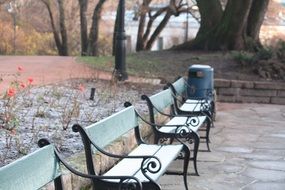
[248, 151]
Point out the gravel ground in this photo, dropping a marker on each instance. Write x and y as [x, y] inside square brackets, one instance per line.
[50, 111]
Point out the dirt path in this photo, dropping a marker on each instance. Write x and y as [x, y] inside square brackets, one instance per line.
[43, 69]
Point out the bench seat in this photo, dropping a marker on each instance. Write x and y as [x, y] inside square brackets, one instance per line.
[142, 166]
[197, 122]
[131, 167]
[163, 104]
[193, 105]
[186, 105]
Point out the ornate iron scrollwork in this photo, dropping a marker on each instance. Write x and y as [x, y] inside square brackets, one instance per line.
[183, 131]
[151, 165]
[193, 121]
[163, 140]
[205, 106]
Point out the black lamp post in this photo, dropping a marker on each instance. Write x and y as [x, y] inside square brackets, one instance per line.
[120, 51]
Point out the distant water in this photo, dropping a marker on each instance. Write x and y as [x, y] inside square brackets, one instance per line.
[282, 2]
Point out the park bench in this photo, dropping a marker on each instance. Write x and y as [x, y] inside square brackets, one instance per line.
[36, 170]
[185, 105]
[138, 169]
[162, 102]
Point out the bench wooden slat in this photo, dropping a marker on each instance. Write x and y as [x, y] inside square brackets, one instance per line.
[181, 121]
[167, 154]
[131, 167]
[162, 100]
[109, 129]
[192, 106]
[30, 172]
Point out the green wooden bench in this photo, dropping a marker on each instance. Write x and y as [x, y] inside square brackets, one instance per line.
[191, 105]
[36, 170]
[158, 104]
[141, 167]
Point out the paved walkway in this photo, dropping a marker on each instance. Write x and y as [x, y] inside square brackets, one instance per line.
[248, 151]
[51, 69]
[43, 69]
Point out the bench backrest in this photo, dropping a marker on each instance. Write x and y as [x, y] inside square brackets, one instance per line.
[32, 171]
[161, 100]
[180, 86]
[103, 133]
[111, 128]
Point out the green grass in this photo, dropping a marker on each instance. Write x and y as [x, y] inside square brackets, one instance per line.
[103, 63]
[156, 64]
[137, 64]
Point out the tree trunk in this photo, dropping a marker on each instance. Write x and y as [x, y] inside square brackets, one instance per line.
[142, 21]
[228, 34]
[83, 5]
[63, 32]
[94, 31]
[211, 13]
[158, 30]
[145, 39]
[55, 32]
[255, 20]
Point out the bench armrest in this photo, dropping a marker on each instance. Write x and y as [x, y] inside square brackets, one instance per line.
[181, 131]
[78, 128]
[123, 179]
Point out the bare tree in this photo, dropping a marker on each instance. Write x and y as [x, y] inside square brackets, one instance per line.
[94, 31]
[59, 30]
[234, 28]
[89, 43]
[83, 5]
[146, 38]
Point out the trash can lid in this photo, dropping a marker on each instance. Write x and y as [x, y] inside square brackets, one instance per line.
[200, 66]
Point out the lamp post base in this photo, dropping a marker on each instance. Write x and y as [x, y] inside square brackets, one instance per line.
[120, 75]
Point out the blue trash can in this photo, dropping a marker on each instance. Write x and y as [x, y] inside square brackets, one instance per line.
[200, 82]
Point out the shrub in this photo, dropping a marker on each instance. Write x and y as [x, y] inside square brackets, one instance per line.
[264, 54]
[242, 57]
[28, 41]
[280, 52]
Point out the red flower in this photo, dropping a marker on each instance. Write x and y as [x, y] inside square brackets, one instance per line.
[11, 92]
[20, 69]
[30, 80]
[23, 85]
[81, 87]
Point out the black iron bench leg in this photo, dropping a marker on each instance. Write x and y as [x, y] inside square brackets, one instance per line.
[195, 137]
[57, 183]
[151, 186]
[185, 165]
[208, 127]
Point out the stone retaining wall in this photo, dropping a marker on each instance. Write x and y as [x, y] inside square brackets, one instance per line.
[250, 91]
